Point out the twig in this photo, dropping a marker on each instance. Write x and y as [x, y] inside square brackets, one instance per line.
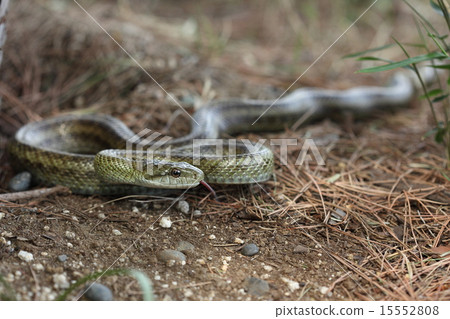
[33, 193]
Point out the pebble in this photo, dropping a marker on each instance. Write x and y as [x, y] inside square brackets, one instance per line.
[2, 215]
[169, 254]
[165, 222]
[292, 285]
[237, 240]
[25, 256]
[196, 213]
[62, 258]
[183, 206]
[337, 216]
[38, 267]
[249, 250]
[324, 291]
[61, 281]
[185, 246]
[212, 237]
[20, 182]
[301, 249]
[98, 292]
[256, 287]
[116, 232]
[70, 235]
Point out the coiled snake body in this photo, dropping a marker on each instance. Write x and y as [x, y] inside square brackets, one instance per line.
[86, 152]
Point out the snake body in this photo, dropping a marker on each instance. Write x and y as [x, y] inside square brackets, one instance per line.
[86, 152]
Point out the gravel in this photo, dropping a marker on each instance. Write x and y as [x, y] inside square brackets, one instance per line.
[249, 250]
[165, 222]
[98, 292]
[20, 182]
[25, 256]
[183, 207]
[169, 255]
[62, 258]
[185, 246]
[256, 287]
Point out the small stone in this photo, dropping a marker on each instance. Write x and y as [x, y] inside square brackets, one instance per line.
[62, 258]
[134, 209]
[238, 240]
[98, 292]
[60, 281]
[185, 246]
[46, 228]
[70, 235]
[196, 213]
[183, 206]
[301, 249]
[201, 261]
[256, 287]
[165, 222]
[2, 215]
[116, 232]
[324, 291]
[101, 216]
[268, 268]
[188, 293]
[70, 245]
[249, 250]
[168, 255]
[66, 211]
[292, 285]
[212, 237]
[38, 267]
[25, 256]
[20, 182]
[337, 216]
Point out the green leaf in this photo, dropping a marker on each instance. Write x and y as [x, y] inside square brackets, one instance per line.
[439, 136]
[436, 7]
[432, 93]
[440, 66]
[353, 55]
[403, 63]
[372, 58]
[440, 98]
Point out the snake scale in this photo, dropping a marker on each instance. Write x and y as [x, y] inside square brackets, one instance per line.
[86, 152]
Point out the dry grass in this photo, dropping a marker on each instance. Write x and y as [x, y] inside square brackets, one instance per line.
[382, 191]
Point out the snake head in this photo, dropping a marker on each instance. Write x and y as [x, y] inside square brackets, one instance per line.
[168, 175]
[112, 167]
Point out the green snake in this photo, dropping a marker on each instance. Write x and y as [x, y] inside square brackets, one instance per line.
[89, 154]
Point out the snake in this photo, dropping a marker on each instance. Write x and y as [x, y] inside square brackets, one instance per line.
[99, 154]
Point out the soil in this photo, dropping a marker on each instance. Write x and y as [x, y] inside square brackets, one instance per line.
[377, 177]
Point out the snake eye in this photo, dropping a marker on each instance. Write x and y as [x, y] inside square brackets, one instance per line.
[174, 172]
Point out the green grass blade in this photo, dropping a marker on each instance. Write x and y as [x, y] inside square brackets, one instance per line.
[440, 98]
[403, 63]
[372, 58]
[354, 55]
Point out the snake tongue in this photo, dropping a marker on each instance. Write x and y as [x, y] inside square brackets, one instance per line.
[208, 187]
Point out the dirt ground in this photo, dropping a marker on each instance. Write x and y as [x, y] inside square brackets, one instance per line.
[369, 225]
